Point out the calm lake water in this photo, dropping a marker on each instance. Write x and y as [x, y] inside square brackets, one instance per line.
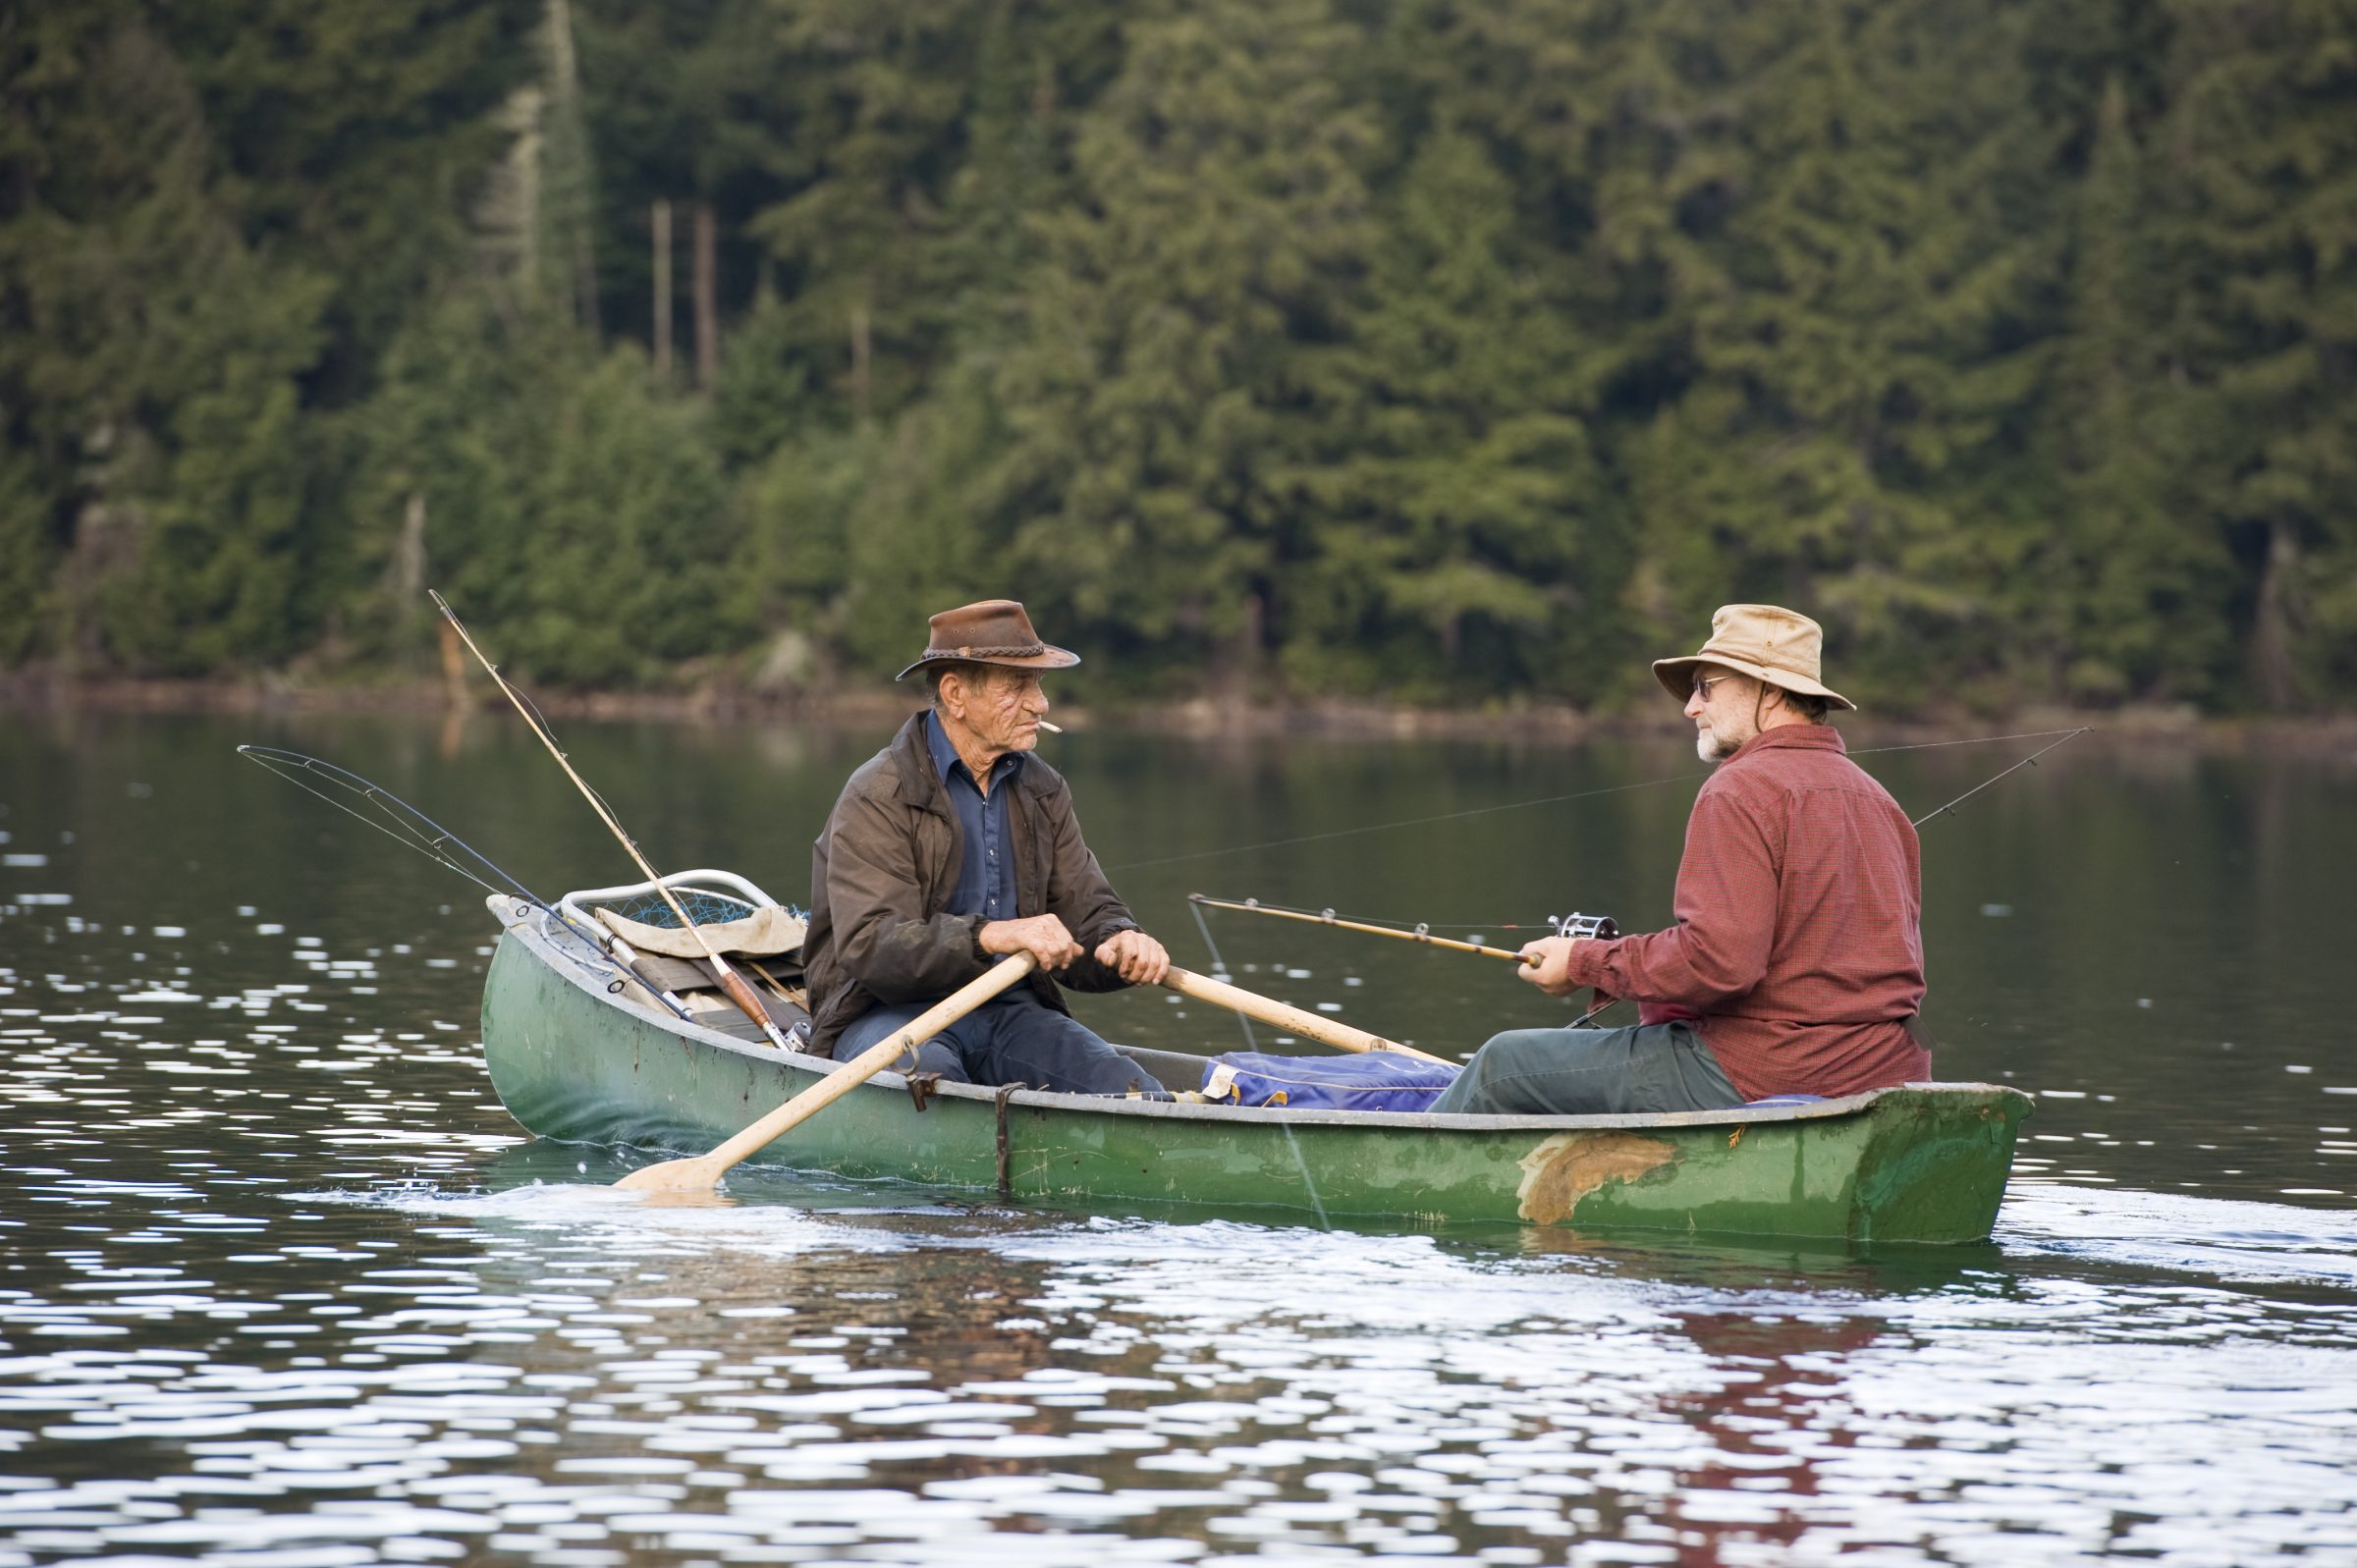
[282, 1284]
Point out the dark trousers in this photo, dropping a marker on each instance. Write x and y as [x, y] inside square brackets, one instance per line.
[1009, 1038]
[1589, 1072]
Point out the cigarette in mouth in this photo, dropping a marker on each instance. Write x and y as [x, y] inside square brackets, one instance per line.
[1054, 730]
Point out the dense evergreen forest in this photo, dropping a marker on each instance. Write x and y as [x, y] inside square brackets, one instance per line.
[1433, 350]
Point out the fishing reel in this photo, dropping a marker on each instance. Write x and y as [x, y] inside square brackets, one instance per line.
[1594, 927]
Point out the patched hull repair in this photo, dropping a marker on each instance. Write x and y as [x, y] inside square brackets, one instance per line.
[1567, 1168]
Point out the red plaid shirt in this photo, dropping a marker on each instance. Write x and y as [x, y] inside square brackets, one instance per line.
[1798, 948]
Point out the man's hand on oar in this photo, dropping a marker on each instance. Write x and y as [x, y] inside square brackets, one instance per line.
[697, 1174]
[1135, 956]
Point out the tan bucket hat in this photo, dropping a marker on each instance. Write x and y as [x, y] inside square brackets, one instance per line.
[1763, 641]
[995, 632]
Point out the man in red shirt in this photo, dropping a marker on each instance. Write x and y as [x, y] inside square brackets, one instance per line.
[1796, 963]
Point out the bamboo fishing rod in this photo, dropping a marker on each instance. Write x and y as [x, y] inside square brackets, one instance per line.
[737, 989]
[1579, 925]
[1574, 925]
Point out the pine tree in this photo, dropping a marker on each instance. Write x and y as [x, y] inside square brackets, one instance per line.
[1849, 189]
[154, 379]
[355, 135]
[1152, 403]
[880, 94]
[2135, 575]
[2261, 156]
[1454, 509]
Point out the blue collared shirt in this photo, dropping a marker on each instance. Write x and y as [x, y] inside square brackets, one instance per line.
[986, 868]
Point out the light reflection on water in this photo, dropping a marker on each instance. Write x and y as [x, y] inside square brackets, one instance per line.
[282, 1284]
[811, 1372]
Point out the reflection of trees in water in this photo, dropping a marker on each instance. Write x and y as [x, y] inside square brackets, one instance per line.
[753, 1323]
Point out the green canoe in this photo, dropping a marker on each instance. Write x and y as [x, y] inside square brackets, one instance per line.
[576, 1061]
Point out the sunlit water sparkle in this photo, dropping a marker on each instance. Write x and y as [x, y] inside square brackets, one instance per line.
[283, 1285]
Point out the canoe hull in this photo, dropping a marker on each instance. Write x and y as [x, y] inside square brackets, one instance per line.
[1920, 1164]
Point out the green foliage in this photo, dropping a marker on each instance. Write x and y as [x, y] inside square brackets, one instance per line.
[1153, 391]
[1455, 351]
[1454, 499]
[589, 533]
[2262, 147]
[152, 379]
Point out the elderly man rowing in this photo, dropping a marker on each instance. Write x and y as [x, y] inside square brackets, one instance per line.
[1796, 963]
[952, 846]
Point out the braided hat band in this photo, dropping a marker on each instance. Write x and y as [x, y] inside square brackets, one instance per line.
[994, 632]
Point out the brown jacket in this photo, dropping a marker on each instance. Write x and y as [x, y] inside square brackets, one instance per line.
[884, 868]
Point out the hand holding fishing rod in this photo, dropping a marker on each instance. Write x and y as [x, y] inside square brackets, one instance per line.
[736, 988]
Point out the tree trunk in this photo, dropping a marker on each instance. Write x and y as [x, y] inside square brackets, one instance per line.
[409, 558]
[453, 668]
[1242, 676]
[2273, 672]
[707, 304]
[862, 349]
[662, 227]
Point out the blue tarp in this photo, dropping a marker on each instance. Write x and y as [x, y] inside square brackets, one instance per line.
[1376, 1080]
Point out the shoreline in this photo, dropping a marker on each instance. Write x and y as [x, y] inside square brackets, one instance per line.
[1195, 717]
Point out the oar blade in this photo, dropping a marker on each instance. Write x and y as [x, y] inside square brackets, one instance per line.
[699, 1174]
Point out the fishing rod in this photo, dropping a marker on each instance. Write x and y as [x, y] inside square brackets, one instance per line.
[2030, 761]
[735, 986]
[1596, 926]
[1572, 924]
[1579, 926]
[413, 829]
[1575, 926]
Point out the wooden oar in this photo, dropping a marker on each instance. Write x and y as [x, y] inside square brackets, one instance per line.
[1308, 1025]
[699, 1172]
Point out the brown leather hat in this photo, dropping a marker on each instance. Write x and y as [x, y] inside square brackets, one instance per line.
[995, 632]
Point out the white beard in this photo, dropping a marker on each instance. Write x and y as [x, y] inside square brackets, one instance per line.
[1712, 747]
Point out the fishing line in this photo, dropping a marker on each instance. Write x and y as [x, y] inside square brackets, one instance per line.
[2029, 761]
[403, 828]
[1219, 967]
[1196, 902]
[1387, 827]
[288, 764]
[1584, 794]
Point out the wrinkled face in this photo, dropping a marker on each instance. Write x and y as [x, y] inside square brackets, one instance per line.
[1725, 707]
[1000, 709]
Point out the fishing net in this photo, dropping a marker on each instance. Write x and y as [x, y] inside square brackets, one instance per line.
[724, 923]
[704, 907]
